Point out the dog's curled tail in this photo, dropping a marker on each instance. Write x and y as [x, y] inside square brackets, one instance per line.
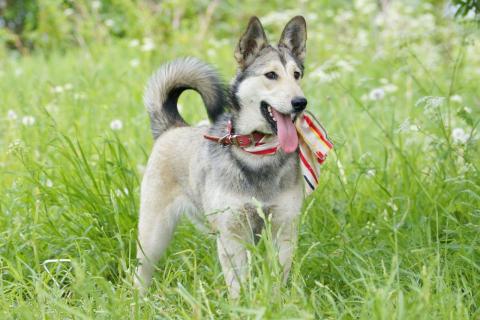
[170, 80]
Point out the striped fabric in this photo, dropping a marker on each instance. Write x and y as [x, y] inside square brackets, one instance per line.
[314, 146]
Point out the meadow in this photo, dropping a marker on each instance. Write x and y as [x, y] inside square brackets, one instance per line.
[392, 232]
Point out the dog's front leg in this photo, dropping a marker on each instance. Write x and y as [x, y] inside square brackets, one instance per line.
[233, 259]
[286, 239]
[229, 218]
[285, 225]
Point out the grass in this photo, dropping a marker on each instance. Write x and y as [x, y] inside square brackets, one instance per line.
[393, 231]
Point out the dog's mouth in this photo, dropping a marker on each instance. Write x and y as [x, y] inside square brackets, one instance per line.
[282, 125]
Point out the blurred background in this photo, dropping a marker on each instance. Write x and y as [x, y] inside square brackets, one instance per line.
[59, 24]
[392, 230]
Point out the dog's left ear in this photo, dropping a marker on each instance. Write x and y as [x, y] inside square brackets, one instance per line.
[294, 37]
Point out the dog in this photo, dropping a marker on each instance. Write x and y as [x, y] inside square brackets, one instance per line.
[205, 171]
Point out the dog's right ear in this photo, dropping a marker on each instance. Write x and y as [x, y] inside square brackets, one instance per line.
[251, 42]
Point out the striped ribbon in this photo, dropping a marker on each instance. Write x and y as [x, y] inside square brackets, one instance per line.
[314, 146]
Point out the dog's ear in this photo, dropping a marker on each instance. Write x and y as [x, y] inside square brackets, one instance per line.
[251, 42]
[294, 37]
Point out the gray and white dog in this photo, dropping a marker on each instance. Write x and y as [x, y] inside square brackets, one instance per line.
[188, 174]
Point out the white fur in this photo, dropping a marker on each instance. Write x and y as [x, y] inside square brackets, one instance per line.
[277, 93]
[182, 178]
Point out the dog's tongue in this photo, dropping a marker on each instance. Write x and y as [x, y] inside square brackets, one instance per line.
[287, 134]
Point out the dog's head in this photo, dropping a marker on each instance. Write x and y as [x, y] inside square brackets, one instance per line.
[266, 91]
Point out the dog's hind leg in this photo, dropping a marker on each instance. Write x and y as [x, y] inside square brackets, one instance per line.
[155, 231]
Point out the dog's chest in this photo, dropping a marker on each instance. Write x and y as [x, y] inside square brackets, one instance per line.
[262, 183]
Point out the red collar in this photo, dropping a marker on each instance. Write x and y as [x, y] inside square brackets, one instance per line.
[241, 140]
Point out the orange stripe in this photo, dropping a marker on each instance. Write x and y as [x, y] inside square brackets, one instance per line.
[319, 134]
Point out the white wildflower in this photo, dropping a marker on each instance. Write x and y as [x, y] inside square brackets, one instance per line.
[134, 63]
[148, 44]
[365, 6]
[459, 135]
[430, 102]
[28, 121]
[407, 126]
[68, 86]
[109, 23]
[377, 94]
[345, 66]
[96, 5]
[12, 115]
[456, 98]
[57, 89]
[371, 173]
[49, 183]
[414, 128]
[68, 12]
[116, 124]
[211, 52]
[134, 43]
[467, 109]
[324, 76]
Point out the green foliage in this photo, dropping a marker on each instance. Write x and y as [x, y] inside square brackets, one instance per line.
[392, 232]
[466, 6]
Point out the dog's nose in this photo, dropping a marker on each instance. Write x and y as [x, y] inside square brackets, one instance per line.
[299, 104]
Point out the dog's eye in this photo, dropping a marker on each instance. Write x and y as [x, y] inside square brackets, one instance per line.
[271, 75]
[296, 75]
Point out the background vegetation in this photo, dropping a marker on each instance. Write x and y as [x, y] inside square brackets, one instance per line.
[392, 232]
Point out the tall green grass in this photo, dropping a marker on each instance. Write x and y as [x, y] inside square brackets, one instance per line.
[393, 230]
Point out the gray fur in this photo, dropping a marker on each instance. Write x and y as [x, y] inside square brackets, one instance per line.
[251, 43]
[187, 174]
[263, 182]
[294, 37]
